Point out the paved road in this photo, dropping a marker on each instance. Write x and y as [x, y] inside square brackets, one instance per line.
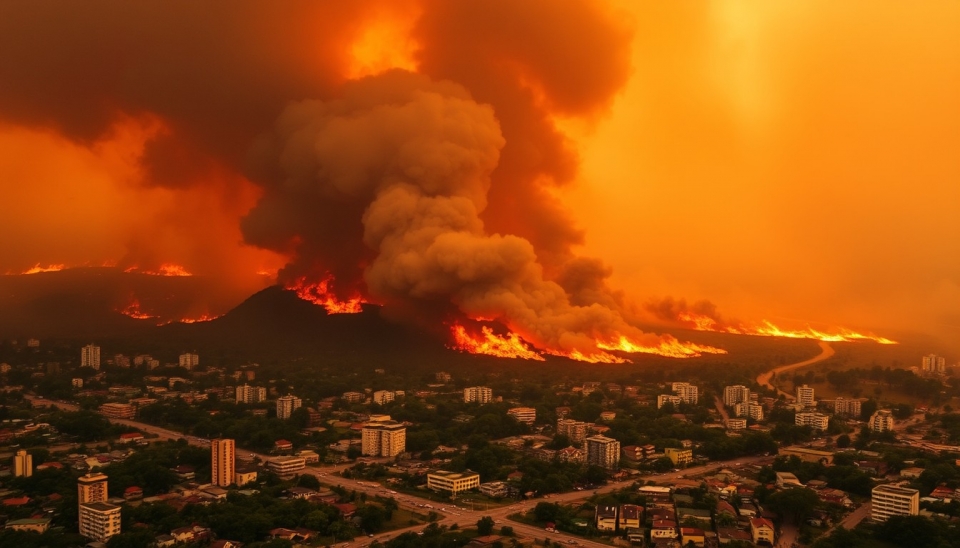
[764, 378]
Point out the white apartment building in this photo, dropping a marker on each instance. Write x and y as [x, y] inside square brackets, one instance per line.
[92, 488]
[353, 397]
[189, 360]
[736, 424]
[90, 356]
[805, 396]
[893, 500]
[284, 466]
[934, 364]
[526, 415]
[687, 392]
[223, 462]
[755, 411]
[663, 399]
[286, 405]
[847, 406]
[602, 451]
[99, 520]
[453, 482]
[381, 397]
[383, 439]
[479, 394]
[735, 394]
[818, 421]
[881, 421]
[251, 394]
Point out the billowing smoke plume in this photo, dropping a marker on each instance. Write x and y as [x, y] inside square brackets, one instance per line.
[416, 157]
[679, 312]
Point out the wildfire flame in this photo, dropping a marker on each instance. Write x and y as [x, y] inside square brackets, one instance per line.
[320, 294]
[595, 357]
[669, 347]
[133, 310]
[491, 344]
[49, 268]
[766, 328]
[201, 318]
[166, 269]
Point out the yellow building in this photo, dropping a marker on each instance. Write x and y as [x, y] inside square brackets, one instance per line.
[454, 482]
[679, 457]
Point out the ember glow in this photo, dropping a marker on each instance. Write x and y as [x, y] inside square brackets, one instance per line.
[166, 269]
[36, 269]
[321, 294]
[199, 319]
[491, 344]
[767, 328]
[133, 310]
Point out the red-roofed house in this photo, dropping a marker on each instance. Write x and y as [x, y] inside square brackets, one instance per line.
[50, 465]
[761, 529]
[347, 509]
[283, 445]
[17, 501]
[691, 534]
[133, 493]
[131, 437]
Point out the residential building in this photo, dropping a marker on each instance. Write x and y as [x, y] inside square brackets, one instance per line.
[755, 411]
[479, 394]
[602, 451]
[22, 464]
[664, 399]
[118, 410]
[189, 361]
[736, 424]
[383, 439]
[818, 421]
[934, 364]
[526, 415]
[286, 405]
[847, 406]
[881, 421]
[807, 455]
[251, 394]
[805, 396]
[353, 397]
[92, 488]
[893, 500]
[679, 457]
[735, 394]
[453, 482]
[90, 356]
[631, 517]
[76, 382]
[495, 489]
[687, 392]
[692, 535]
[99, 520]
[575, 431]
[761, 529]
[381, 397]
[443, 376]
[223, 460]
[284, 466]
[36, 525]
[244, 476]
[606, 517]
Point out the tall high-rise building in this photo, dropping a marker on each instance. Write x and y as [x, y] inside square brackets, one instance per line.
[479, 394]
[934, 364]
[286, 405]
[847, 406]
[575, 431]
[383, 439]
[98, 519]
[90, 356]
[805, 396]
[893, 500]
[251, 394]
[92, 488]
[189, 361]
[23, 464]
[222, 462]
[381, 397]
[735, 394]
[602, 451]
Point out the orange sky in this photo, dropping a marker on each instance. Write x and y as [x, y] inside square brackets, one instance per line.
[785, 160]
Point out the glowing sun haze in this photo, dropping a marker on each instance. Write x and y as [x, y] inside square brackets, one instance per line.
[790, 161]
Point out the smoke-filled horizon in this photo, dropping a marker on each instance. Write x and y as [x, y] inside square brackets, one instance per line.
[514, 160]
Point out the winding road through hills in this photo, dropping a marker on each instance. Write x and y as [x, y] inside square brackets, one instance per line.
[764, 379]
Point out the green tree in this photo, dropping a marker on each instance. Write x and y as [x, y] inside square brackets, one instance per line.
[798, 503]
[485, 526]
[843, 441]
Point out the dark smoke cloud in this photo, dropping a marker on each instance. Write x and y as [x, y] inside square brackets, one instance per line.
[672, 311]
